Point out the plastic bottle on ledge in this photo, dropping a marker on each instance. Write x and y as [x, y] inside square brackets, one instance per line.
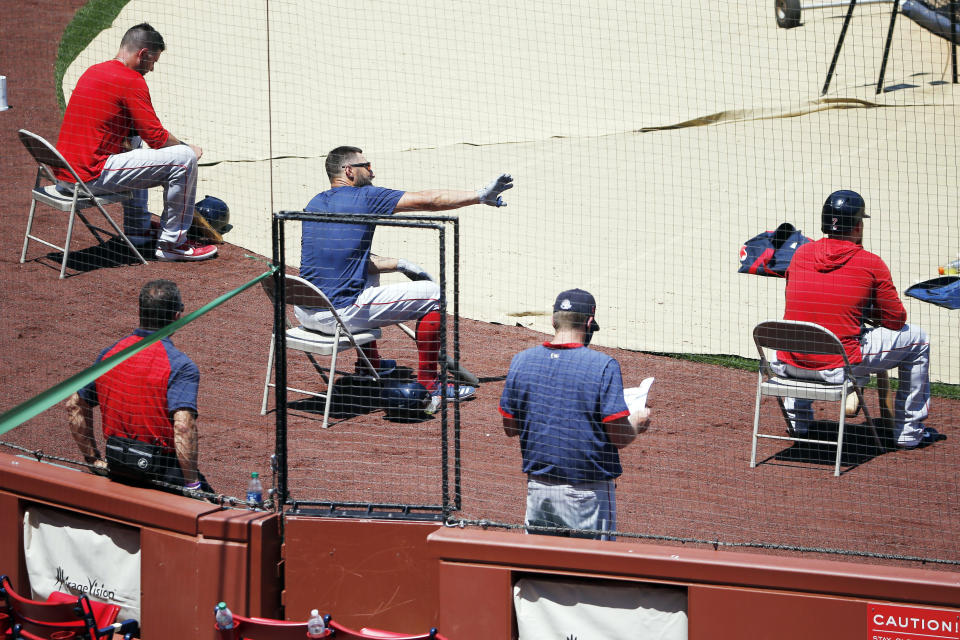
[224, 616]
[951, 268]
[315, 626]
[255, 489]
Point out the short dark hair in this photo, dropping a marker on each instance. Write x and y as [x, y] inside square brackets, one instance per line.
[159, 304]
[569, 320]
[337, 157]
[142, 36]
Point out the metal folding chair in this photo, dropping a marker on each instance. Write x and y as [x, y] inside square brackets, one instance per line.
[302, 293]
[808, 338]
[48, 158]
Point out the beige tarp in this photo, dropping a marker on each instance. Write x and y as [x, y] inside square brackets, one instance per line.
[647, 140]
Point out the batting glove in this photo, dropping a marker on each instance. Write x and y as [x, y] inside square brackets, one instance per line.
[490, 194]
[412, 270]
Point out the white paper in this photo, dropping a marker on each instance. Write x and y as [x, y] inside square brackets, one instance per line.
[636, 397]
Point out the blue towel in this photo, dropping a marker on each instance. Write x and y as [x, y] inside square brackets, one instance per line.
[943, 291]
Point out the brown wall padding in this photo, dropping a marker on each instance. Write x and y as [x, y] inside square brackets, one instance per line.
[409, 576]
[192, 553]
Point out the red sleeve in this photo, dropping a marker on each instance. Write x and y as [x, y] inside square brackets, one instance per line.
[504, 413]
[143, 117]
[889, 307]
[617, 416]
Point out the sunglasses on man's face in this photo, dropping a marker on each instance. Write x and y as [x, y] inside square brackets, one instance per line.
[365, 165]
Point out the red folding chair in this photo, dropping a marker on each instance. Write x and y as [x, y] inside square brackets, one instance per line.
[268, 629]
[70, 618]
[367, 633]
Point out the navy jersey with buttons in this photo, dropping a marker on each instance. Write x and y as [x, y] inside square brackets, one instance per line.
[561, 396]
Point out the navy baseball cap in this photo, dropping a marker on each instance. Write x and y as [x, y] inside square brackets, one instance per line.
[578, 301]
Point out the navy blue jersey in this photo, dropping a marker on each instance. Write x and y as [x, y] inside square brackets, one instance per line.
[561, 396]
[333, 255]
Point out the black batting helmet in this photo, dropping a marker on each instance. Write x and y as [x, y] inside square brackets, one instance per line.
[215, 211]
[404, 400]
[841, 212]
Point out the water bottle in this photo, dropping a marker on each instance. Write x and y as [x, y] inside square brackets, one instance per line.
[315, 626]
[224, 616]
[951, 268]
[255, 489]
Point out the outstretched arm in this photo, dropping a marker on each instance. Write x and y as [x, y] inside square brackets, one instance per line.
[445, 199]
[436, 200]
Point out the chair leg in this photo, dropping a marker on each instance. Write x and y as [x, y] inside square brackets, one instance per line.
[66, 245]
[836, 466]
[333, 375]
[842, 424]
[869, 418]
[756, 424]
[26, 236]
[266, 384]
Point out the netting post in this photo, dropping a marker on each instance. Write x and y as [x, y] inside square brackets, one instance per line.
[280, 362]
[442, 358]
[456, 358]
[953, 39]
[886, 46]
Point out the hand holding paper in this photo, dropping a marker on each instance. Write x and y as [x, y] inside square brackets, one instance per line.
[636, 397]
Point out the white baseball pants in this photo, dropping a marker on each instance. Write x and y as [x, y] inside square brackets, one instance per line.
[377, 307]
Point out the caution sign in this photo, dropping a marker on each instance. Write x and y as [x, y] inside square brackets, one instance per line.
[891, 622]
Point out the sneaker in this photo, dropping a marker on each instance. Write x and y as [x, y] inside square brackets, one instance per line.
[466, 392]
[187, 252]
[930, 435]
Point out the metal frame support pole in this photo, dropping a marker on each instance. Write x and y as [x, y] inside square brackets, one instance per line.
[442, 360]
[886, 47]
[836, 51]
[456, 356]
[280, 364]
[953, 40]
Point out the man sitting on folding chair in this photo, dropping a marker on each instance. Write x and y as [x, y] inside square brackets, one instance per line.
[836, 283]
[336, 258]
[109, 112]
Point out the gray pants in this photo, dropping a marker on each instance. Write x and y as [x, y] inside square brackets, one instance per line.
[586, 505]
[173, 168]
[907, 350]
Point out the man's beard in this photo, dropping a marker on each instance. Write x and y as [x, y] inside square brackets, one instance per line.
[362, 181]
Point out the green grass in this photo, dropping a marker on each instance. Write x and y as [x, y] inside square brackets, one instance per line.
[90, 19]
[937, 389]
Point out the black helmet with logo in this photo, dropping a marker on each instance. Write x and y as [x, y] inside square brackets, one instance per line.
[215, 211]
[842, 211]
